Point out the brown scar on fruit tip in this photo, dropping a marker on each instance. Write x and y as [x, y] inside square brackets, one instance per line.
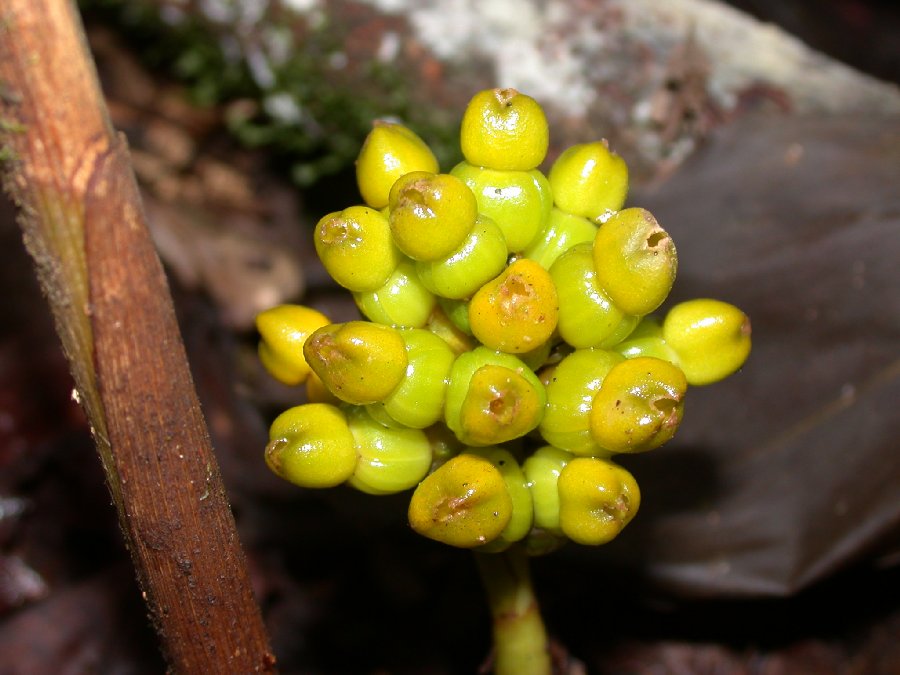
[746, 328]
[505, 96]
[657, 238]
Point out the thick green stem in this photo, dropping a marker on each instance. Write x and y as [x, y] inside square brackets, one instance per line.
[520, 639]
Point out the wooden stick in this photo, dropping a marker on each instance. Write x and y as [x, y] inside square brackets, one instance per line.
[83, 224]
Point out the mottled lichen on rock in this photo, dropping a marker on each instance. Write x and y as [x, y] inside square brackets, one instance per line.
[285, 79]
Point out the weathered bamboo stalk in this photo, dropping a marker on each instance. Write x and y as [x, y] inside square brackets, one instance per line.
[83, 223]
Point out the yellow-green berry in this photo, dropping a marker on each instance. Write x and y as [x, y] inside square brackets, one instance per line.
[518, 201]
[418, 401]
[647, 340]
[431, 214]
[571, 388]
[356, 248]
[358, 361]
[587, 315]
[561, 232]
[504, 129]
[389, 151]
[480, 258]
[589, 180]
[597, 499]
[283, 330]
[635, 261]
[311, 446]
[639, 405]
[492, 398]
[542, 469]
[464, 503]
[517, 485]
[711, 338]
[403, 301]
[389, 459]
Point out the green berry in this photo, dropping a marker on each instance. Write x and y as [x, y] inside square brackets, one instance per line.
[402, 302]
[522, 516]
[537, 357]
[517, 311]
[505, 130]
[561, 232]
[390, 459]
[464, 503]
[570, 394]
[647, 340]
[311, 446]
[589, 180]
[480, 258]
[635, 261]
[711, 338]
[639, 405]
[518, 201]
[445, 328]
[458, 313]
[431, 214]
[587, 316]
[492, 398]
[597, 499]
[389, 151]
[283, 330]
[356, 248]
[418, 401]
[358, 361]
[542, 469]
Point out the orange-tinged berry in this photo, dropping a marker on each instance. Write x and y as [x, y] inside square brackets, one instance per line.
[517, 311]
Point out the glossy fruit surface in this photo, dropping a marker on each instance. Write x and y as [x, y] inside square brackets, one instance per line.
[480, 258]
[639, 405]
[283, 330]
[635, 260]
[587, 316]
[570, 395]
[358, 361]
[431, 214]
[356, 248]
[418, 401]
[522, 517]
[712, 338]
[445, 328]
[492, 398]
[518, 201]
[589, 180]
[597, 499]
[542, 469]
[389, 151]
[504, 129]
[403, 301]
[389, 459]
[311, 446]
[510, 348]
[517, 311]
[464, 503]
[561, 232]
[647, 340]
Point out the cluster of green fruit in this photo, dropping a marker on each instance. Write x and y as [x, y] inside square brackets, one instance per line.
[509, 350]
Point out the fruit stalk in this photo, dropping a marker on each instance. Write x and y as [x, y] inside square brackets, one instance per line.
[521, 646]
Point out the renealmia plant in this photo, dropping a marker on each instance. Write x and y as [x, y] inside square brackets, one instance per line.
[507, 311]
